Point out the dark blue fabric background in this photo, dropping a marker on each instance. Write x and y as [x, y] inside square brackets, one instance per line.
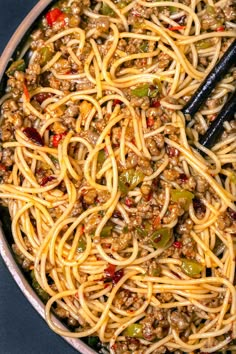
[22, 330]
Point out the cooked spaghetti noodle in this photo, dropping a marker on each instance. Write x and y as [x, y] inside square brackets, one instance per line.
[127, 230]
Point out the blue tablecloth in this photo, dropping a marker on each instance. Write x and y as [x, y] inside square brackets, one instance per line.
[22, 330]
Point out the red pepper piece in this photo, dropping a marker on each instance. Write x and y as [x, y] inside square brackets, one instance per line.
[33, 135]
[156, 222]
[117, 276]
[155, 103]
[26, 92]
[183, 178]
[57, 138]
[177, 244]
[112, 275]
[176, 28]
[46, 179]
[171, 151]
[55, 15]
[150, 122]
[110, 271]
[115, 102]
[128, 202]
[220, 29]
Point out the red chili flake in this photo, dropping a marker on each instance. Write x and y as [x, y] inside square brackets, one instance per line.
[110, 271]
[117, 276]
[55, 15]
[128, 202]
[133, 141]
[220, 29]
[2, 167]
[176, 28]
[155, 103]
[177, 244]
[183, 178]
[40, 97]
[33, 135]
[46, 179]
[156, 222]
[26, 92]
[57, 138]
[171, 151]
[112, 275]
[150, 122]
[116, 101]
[198, 206]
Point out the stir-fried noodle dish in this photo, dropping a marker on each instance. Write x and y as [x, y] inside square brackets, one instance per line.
[123, 221]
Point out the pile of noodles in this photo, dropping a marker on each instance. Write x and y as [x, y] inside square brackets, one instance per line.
[78, 285]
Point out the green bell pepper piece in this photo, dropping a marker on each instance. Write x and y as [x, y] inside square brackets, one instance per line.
[106, 10]
[161, 237]
[81, 246]
[191, 267]
[177, 195]
[129, 179]
[18, 65]
[106, 231]
[141, 91]
[41, 293]
[101, 156]
[134, 330]
[46, 55]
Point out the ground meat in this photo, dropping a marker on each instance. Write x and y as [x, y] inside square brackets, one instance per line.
[7, 157]
[32, 73]
[152, 147]
[92, 222]
[145, 166]
[116, 135]
[159, 139]
[22, 260]
[213, 103]
[90, 196]
[173, 213]
[132, 160]
[180, 320]
[152, 268]
[121, 242]
[230, 11]
[189, 246]
[90, 135]
[163, 60]
[213, 18]
[102, 24]
[77, 209]
[142, 102]
[171, 174]
[202, 184]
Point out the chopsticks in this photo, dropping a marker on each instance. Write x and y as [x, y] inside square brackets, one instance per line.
[203, 92]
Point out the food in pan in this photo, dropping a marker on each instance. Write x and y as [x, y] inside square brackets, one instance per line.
[123, 221]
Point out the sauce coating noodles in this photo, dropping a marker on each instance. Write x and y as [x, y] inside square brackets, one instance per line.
[126, 229]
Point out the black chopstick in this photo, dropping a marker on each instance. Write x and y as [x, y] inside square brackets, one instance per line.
[204, 90]
[216, 128]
